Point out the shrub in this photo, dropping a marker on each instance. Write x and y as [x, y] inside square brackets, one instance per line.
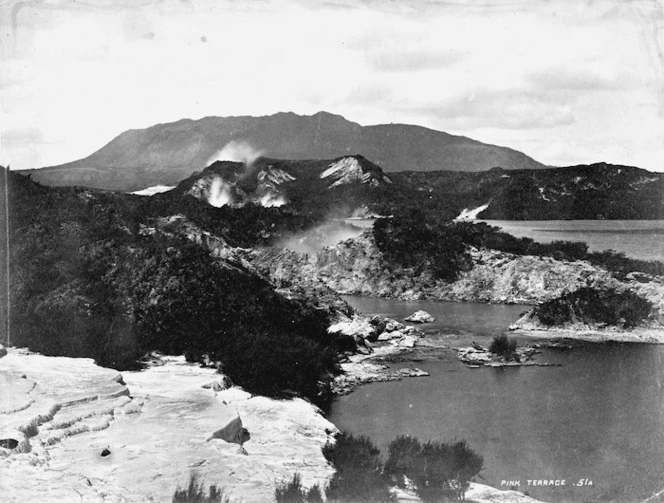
[403, 454]
[424, 246]
[293, 492]
[440, 471]
[315, 494]
[588, 305]
[195, 493]
[504, 346]
[359, 471]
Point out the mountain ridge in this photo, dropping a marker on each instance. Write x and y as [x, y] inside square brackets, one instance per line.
[168, 152]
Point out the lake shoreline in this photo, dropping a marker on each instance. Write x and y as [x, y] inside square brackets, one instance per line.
[597, 336]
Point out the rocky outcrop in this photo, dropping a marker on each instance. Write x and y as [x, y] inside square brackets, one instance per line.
[360, 369]
[356, 267]
[477, 356]
[70, 430]
[365, 331]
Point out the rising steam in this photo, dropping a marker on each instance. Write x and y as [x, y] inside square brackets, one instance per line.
[220, 193]
[272, 200]
[237, 151]
[327, 234]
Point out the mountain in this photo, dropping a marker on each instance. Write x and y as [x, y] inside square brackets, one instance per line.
[167, 153]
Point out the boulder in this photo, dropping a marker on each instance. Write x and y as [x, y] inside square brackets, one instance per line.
[224, 382]
[379, 323]
[388, 336]
[393, 325]
[356, 327]
[420, 317]
[408, 341]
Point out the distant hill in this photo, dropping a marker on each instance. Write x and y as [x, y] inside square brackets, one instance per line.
[167, 153]
[598, 191]
[354, 185]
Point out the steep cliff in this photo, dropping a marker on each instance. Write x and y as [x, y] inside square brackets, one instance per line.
[355, 266]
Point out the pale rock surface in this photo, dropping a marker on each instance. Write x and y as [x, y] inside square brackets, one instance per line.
[388, 336]
[486, 494]
[407, 341]
[479, 493]
[470, 214]
[394, 325]
[357, 326]
[158, 426]
[359, 369]
[420, 317]
[155, 189]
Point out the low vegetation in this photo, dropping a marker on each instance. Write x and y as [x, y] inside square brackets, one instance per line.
[293, 492]
[587, 305]
[422, 246]
[195, 493]
[359, 472]
[503, 346]
[440, 471]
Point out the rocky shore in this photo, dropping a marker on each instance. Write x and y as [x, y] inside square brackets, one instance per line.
[360, 369]
[477, 356]
[580, 332]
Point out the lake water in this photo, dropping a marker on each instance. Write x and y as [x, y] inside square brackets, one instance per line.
[599, 417]
[641, 239]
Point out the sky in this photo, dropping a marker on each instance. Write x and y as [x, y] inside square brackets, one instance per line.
[564, 81]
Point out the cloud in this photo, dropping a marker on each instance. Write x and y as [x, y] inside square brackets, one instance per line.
[412, 60]
[586, 80]
[508, 109]
[30, 135]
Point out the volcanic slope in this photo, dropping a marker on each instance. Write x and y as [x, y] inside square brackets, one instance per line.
[167, 153]
[354, 185]
[340, 185]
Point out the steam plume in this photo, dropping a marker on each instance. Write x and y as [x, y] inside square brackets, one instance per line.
[237, 151]
[220, 193]
[271, 200]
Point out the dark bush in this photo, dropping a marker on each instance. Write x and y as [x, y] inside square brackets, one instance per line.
[403, 455]
[504, 346]
[315, 494]
[424, 246]
[293, 492]
[359, 471]
[588, 305]
[195, 493]
[440, 471]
